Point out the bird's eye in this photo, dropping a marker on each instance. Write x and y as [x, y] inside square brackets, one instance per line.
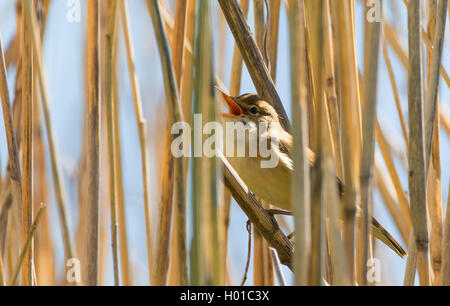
[254, 110]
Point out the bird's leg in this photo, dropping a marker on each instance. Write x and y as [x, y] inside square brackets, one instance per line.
[274, 212]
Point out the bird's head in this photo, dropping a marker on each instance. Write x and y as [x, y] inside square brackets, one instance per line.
[249, 108]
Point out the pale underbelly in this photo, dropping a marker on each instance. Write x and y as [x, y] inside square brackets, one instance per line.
[271, 184]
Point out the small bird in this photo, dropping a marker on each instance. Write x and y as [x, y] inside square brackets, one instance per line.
[273, 184]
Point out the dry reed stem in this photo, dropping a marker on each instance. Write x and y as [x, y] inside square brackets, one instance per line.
[164, 221]
[60, 192]
[301, 195]
[389, 161]
[345, 68]
[445, 268]
[431, 97]
[315, 20]
[277, 265]
[252, 57]
[26, 246]
[262, 266]
[273, 33]
[207, 171]
[141, 127]
[179, 215]
[416, 149]
[123, 240]
[429, 45]
[110, 40]
[186, 89]
[2, 271]
[337, 248]
[436, 20]
[235, 88]
[371, 56]
[93, 135]
[176, 115]
[236, 66]
[395, 90]
[14, 172]
[27, 146]
[391, 202]
[332, 99]
[401, 53]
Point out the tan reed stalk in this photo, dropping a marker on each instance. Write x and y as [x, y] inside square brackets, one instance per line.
[277, 265]
[27, 147]
[332, 99]
[186, 89]
[315, 20]
[179, 214]
[235, 88]
[436, 20]
[445, 268]
[401, 53]
[260, 28]
[338, 256]
[434, 197]
[394, 90]
[26, 247]
[44, 249]
[176, 115]
[371, 51]
[110, 39]
[273, 33]
[431, 98]
[389, 161]
[123, 240]
[262, 267]
[93, 136]
[13, 151]
[429, 43]
[178, 39]
[206, 171]
[300, 195]
[253, 58]
[391, 202]
[141, 127]
[52, 142]
[445, 121]
[188, 73]
[236, 67]
[416, 149]
[345, 68]
[164, 221]
[2, 271]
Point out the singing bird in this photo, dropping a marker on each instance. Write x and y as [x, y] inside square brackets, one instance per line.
[274, 184]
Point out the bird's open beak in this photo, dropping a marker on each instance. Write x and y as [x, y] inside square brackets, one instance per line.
[235, 109]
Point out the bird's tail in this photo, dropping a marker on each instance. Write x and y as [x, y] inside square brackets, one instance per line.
[380, 233]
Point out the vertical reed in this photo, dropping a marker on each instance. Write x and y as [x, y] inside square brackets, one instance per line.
[93, 135]
[27, 147]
